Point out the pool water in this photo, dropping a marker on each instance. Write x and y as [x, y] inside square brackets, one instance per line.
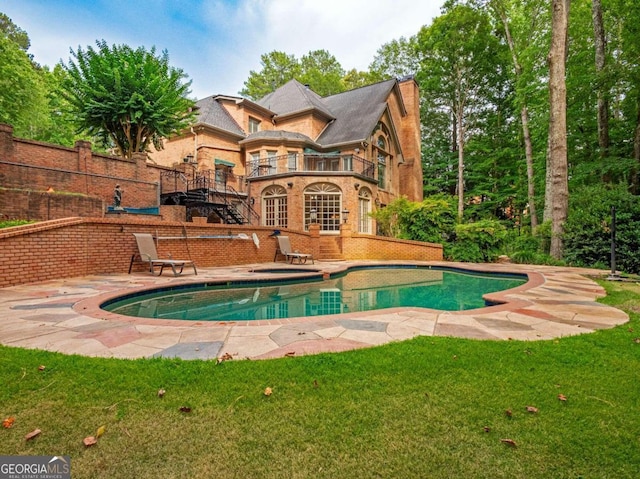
[357, 290]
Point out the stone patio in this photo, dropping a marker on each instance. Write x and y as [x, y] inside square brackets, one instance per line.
[64, 316]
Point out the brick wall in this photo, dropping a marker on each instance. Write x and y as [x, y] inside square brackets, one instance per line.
[37, 166]
[84, 246]
[43, 206]
[378, 247]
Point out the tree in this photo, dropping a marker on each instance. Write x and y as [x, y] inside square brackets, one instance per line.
[322, 72]
[558, 175]
[356, 79]
[506, 11]
[600, 58]
[277, 69]
[14, 33]
[396, 59]
[318, 69]
[23, 101]
[459, 58]
[127, 98]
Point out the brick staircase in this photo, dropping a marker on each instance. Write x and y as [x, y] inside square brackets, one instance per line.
[330, 248]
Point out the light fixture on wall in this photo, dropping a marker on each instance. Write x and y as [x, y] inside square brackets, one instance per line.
[357, 151]
[290, 184]
[345, 215]
[313, 216]
[357, 186]
[188, 158]
[252, 201]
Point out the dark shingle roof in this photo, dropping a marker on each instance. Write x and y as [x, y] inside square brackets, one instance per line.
[212, 113]
[356, 113]
[293, 97]
[352, 115]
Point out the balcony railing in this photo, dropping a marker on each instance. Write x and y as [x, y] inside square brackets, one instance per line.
[317, 163]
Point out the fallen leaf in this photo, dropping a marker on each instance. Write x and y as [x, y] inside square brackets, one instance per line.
[268, 391]
[8, 423]
[532, 409]
[185, 409]
[225, 357]
[42, 367]
[508, 413]
[486, 429]
[100, 431]
[161, 393]
[32, 434]
[315, 383]
[562, 397]
[89, 441]
[636, 340]
[509, 442]
[290, 354]
[455, 356]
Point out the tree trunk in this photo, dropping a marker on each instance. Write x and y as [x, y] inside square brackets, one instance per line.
[524, 115]
[528, 152]
[603, 102]
[635, 177]
[460, 163]
[548, 190]
[558, 125]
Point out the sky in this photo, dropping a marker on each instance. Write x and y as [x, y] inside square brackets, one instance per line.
[217, 43]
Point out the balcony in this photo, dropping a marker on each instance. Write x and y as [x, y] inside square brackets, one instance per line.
[310, 163]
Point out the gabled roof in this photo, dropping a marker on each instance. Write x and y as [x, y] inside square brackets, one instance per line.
[294, 97]
[356, 113]
[351, 116]
[212, 113]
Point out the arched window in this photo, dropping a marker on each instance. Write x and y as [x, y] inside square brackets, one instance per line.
[323, 204]
[364, 208]
[274, 206]
[384, 157]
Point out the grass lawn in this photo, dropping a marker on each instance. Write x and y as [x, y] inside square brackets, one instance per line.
[431, 407]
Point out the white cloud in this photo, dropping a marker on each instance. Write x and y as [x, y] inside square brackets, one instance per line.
[351, 30]
[218, 42]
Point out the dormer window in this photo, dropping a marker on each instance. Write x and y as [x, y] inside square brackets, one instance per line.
[254, 125]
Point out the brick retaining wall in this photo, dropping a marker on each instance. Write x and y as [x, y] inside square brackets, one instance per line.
[37, 167]
[84, 246]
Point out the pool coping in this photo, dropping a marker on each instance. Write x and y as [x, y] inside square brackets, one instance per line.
[65, 315]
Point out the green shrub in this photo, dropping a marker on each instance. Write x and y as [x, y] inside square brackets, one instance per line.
[481, 241]
[587, 237]
[432, 220]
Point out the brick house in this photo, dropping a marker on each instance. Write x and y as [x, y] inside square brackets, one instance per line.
[293, 158]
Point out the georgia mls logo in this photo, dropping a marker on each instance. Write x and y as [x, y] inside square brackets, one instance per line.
[35, 467]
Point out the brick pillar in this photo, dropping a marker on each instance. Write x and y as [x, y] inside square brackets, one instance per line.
[140, 160]
[84, 155]
[345, 236]
[7, 151]
[314, 232]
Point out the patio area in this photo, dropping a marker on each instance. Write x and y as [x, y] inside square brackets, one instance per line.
[64, 316]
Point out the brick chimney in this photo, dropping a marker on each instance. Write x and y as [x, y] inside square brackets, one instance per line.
[411, 170]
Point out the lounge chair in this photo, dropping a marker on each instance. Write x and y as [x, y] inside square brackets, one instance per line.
[290, 256]
[148, 253]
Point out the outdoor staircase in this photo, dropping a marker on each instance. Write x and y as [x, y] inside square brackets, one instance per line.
[202, 197]
[330, 249]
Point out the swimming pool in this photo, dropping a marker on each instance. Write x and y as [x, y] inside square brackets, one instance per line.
[357, 289]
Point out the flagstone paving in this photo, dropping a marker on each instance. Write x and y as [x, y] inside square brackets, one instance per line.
[64, 316]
